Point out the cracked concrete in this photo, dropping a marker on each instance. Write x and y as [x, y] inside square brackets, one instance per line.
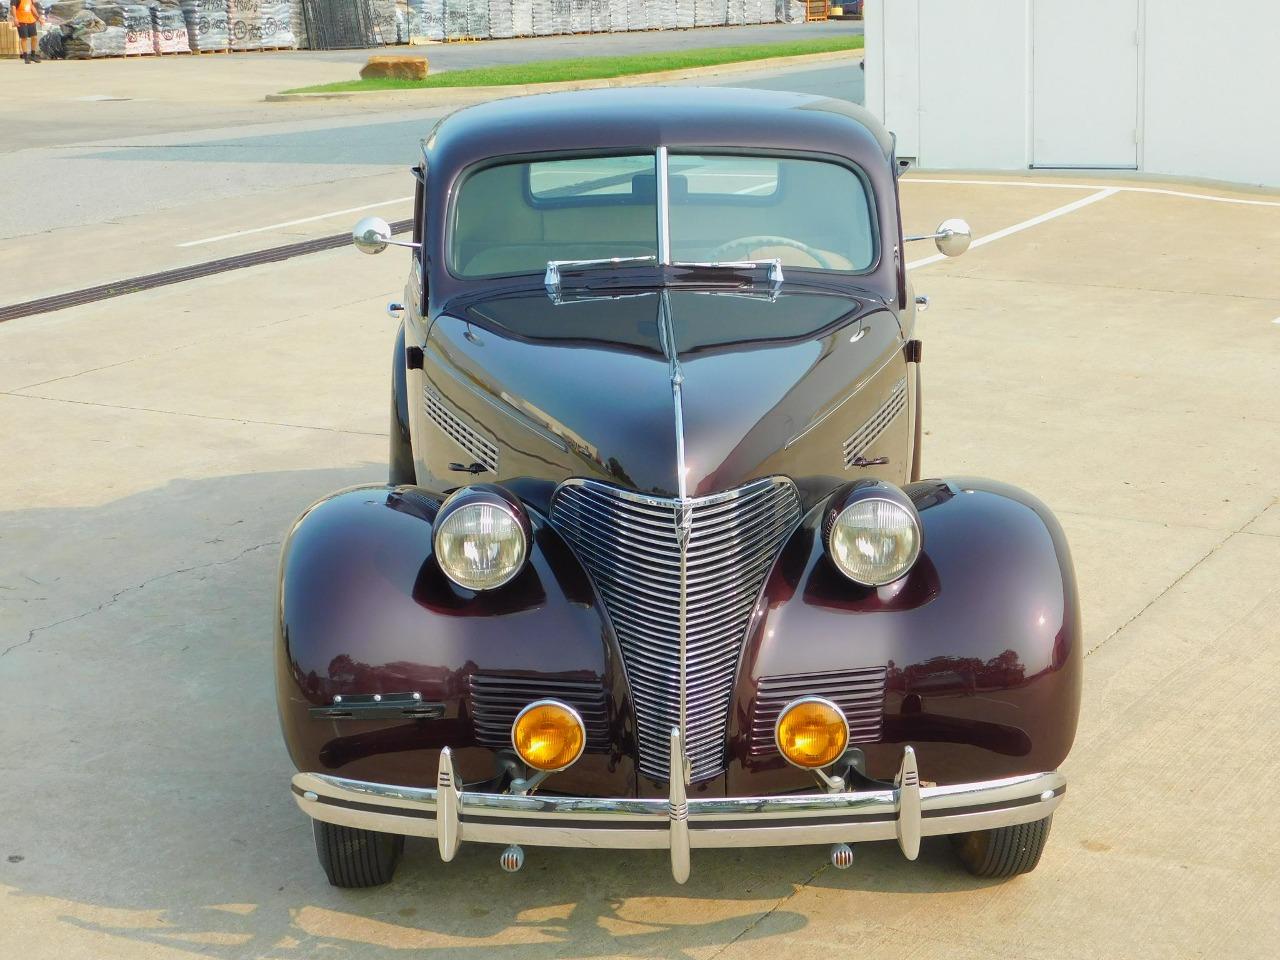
[177, 433]
[115, 597]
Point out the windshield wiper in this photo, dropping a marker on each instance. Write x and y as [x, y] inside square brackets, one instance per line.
[552, 279]
[774, 265]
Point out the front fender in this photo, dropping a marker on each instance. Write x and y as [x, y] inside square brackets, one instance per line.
[974, 658]
[364, 609]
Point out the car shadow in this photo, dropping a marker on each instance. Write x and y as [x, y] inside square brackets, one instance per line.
[146, 799]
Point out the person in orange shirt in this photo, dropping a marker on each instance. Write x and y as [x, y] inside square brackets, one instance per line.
[25, 15]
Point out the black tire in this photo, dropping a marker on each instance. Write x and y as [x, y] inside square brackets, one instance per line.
[1002, 851]
[356, 858]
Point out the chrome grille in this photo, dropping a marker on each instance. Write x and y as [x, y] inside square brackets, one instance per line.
[627, 542]
[481, 450]
[867, 434]
[859, 693]
[497, 699]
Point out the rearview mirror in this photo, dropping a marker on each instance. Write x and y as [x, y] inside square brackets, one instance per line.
[953, 237]
[371, 235]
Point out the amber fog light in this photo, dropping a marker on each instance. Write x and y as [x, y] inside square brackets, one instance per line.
[811, 733]
[548, 735]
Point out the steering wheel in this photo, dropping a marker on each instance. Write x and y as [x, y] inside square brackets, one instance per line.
[747, 244]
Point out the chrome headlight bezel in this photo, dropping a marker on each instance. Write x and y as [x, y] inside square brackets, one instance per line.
[857, 497]
[480, 496]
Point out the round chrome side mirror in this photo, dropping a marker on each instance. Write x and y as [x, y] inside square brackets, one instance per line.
[953, 237]
[372, 234]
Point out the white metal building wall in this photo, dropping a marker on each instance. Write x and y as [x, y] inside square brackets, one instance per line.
[1174, 87]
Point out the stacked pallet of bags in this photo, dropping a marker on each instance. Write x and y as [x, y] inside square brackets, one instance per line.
[384, 20]
[599, 22]
[618, 16]
[139, 34]
[551, 17]
[169, 28]
[208, 24]
[298, 25]
[501, 23]
[431, 13]
[710, 13]
[275, 24]
[789, 11]
[91, 37]
[522, 18]
[466, 19]
[243, 24]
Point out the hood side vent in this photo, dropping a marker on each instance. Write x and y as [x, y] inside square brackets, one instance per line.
[866, 435]
[439, 412]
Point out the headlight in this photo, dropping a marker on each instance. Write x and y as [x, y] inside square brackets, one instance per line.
[548, 735]
[875, 537]
[811, 732]
[481, 537]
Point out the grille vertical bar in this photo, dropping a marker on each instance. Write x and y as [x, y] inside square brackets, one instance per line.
[628, 543]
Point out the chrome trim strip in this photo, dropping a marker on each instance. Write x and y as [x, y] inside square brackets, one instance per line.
[905, 813]
[819, 420]
[684, 508]
[663, 197]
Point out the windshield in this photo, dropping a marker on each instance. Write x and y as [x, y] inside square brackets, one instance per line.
[515, 218]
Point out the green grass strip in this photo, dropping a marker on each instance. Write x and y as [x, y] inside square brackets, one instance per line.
[595, 68]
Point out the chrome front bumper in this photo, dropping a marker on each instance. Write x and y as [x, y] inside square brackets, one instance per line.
[905, 813]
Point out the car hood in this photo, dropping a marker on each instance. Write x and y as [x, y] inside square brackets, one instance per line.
[593, 373]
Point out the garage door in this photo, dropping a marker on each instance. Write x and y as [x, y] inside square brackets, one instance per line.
[1085, 83]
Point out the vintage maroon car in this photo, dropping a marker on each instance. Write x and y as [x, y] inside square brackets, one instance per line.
[656, 567]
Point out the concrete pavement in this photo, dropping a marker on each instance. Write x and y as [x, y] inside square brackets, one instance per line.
[157, 447]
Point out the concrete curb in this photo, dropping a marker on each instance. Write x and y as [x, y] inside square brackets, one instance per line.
[448, 96]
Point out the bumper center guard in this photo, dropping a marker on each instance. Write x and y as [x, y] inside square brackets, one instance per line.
[905, 813]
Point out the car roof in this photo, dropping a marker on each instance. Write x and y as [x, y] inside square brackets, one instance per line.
[647, 117]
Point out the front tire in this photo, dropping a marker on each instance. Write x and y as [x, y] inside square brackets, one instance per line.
[356, 858]
[1002, 851]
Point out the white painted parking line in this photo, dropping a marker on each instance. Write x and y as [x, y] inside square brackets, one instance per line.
[294, 223]
[1093, 186]
[1025, 224]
